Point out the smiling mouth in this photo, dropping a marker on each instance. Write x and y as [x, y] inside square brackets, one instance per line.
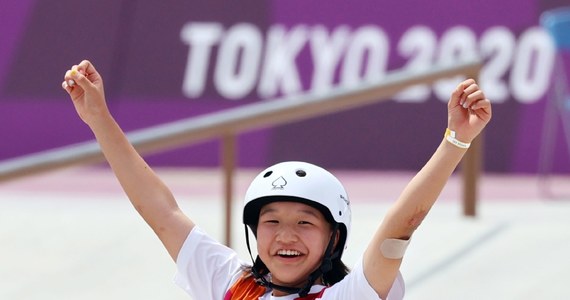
[289, 253]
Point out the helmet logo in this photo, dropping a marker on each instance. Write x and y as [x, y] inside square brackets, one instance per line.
[344, 199]
[279, 183]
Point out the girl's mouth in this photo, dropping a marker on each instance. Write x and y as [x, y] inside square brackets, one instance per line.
[286, 253]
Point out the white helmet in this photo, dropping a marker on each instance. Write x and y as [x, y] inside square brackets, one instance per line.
[299, 182]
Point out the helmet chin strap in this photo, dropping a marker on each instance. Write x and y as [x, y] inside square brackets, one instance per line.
[326, 266]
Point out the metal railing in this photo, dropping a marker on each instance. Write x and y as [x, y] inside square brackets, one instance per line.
[229, 123]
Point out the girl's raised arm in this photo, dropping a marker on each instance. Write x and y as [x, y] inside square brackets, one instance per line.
[148, 194]
[468, 113]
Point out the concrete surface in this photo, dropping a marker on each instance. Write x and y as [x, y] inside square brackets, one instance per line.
[73, 235]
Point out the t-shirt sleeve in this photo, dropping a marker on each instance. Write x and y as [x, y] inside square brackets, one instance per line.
[206, 268]
[356, 286]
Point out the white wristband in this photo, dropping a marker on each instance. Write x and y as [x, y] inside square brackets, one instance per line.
[450, 137]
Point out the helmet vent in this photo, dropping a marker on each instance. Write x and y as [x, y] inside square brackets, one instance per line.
[301, 173]
[267, 174]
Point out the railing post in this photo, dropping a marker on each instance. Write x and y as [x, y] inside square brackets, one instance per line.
[471, 168]
[228, 165]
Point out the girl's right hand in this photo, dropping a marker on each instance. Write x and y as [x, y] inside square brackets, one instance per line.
[85, 87]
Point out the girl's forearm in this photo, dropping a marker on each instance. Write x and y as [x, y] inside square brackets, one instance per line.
[423, 190]
[148, 194]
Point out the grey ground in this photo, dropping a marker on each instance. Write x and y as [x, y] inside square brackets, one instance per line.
[73, 235]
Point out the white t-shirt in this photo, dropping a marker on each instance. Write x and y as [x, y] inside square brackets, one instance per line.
[207, 269]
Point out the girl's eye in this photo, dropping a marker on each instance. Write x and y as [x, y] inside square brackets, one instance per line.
[271, 221]
[304, 223]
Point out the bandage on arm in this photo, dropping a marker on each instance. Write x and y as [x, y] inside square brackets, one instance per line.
[394, 248]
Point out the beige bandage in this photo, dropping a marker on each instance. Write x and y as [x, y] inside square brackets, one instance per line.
[394, 248]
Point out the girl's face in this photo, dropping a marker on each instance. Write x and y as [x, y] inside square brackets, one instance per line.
[291, 240]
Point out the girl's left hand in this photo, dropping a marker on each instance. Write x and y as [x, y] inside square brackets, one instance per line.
[468, 111]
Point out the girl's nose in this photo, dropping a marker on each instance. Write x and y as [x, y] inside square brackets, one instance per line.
[286, 235]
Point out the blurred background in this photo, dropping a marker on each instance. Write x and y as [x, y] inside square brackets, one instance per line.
[166, 61]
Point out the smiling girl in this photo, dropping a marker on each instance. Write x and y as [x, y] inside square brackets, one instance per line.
[298, 212]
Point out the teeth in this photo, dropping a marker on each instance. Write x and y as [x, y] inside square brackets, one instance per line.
[288, 252]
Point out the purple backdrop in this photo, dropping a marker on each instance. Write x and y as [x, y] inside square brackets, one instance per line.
[167, 61]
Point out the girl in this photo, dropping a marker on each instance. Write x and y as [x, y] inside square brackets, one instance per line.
[299, 213]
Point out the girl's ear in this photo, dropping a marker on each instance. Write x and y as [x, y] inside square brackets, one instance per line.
[336, 238]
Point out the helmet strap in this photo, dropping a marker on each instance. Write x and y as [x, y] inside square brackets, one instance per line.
[326, 264]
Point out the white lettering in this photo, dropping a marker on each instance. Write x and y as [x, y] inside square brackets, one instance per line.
[366, 57]
[249, 61]
[235, 78]
[279, 68]
[457, 44]
[418, 44]
[200, 38]
[497, 47]
[534, 60]
[326, 53]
